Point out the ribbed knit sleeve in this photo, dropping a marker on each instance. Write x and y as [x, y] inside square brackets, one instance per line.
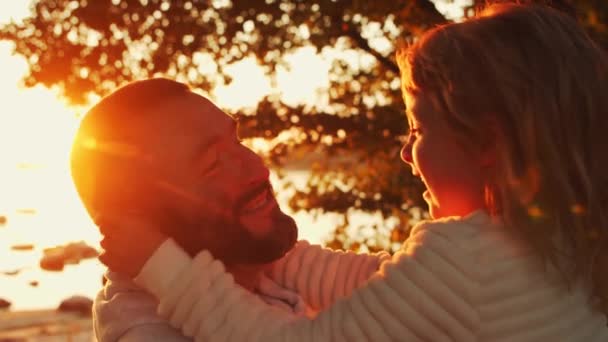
[321, 275]
[423, 293]
[453, 280]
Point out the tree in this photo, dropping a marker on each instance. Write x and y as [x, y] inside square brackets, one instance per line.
[92, 46]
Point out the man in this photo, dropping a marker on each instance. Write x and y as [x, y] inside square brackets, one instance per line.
[156, 149]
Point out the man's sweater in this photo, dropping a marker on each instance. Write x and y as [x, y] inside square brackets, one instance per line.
[124, 311]
[453, 280]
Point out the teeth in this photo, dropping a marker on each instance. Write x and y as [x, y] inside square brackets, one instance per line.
[258, 202]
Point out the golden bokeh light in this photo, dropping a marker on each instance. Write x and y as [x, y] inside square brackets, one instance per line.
[37, 129]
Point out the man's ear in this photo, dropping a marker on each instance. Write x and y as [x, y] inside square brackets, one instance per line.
[487, 156]
[490, 143]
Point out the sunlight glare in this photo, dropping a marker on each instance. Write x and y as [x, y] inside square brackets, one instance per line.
[305, 80]
[36, 135]
[452, 9]
[38, 128]
[14, 10]
[249, 85]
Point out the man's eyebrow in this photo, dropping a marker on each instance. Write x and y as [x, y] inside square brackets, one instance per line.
[236, 125]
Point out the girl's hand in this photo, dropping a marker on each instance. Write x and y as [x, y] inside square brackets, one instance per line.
[128, 242]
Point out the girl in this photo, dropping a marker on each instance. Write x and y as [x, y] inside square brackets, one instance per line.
[508, 114]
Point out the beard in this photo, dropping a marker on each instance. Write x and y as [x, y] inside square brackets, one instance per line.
[229, 240]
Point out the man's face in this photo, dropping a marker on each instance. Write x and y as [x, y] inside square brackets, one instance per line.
[215, 191]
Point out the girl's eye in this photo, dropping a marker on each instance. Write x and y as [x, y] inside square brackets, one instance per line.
[412, 135]
[414, 132]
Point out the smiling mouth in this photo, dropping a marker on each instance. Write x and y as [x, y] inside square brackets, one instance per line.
[262, 201]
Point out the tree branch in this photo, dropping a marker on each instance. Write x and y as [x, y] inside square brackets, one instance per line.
[362, 43]
[422, 9]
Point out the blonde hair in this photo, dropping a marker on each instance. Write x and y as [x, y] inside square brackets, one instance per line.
[527, 80]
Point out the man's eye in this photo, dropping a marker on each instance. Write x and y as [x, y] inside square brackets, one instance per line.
[210, 167]
[209, 163]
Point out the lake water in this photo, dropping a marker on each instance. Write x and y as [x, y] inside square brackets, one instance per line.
[42, 209]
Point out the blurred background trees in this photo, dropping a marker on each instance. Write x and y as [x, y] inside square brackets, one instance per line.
[349, 140]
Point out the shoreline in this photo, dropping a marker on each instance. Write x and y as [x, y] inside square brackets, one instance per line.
[46, 325]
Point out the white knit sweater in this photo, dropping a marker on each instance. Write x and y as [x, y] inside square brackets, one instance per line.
[454, 280]
[124, 312]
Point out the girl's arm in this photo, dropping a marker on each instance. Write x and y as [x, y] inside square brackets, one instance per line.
[321, 275]
[424, 293]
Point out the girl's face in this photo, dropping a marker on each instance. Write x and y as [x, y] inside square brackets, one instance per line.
[451, 173]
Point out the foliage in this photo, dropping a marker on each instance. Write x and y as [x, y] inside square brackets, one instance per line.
[92, 46]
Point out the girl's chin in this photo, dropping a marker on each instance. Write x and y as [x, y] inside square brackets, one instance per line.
[436, 213]
[433, 210]
[426, 195]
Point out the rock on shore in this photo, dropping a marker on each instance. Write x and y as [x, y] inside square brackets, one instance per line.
[78, 304]
[56, 258]
[4, 304]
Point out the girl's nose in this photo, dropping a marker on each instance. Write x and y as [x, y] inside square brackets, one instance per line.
[406, 153]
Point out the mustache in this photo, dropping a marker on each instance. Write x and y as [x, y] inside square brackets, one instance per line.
[233, 244]
[230, 241]
[251, 194]
[214, 208]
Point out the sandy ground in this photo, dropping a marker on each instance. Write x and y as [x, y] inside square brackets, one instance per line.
[45, 326]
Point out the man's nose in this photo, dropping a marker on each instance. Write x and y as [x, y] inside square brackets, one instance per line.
[253, 168]
[406, 153]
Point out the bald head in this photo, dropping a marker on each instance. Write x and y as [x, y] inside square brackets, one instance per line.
[112, 144]
[156, 149]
